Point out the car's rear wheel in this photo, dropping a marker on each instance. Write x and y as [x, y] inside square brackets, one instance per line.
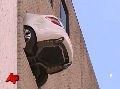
[31, 40]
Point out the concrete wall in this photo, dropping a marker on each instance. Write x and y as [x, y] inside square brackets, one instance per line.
[27, 81]
[8, 42]
[78, 76]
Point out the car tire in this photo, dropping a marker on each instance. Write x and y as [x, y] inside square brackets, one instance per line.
[31, 40]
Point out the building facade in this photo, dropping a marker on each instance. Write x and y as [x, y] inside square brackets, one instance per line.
[79, 75]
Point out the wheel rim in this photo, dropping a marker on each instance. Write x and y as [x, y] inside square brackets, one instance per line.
[27, 35]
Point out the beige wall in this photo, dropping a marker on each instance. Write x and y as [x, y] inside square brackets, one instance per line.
[8, 42]
[27, 81]
[78, 76]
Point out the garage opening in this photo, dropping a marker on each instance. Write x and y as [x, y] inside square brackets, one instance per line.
[49, 59]
[52, 56]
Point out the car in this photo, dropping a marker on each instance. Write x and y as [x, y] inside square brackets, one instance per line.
[48, 46]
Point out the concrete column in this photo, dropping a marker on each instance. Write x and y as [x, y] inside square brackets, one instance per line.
[8, 42]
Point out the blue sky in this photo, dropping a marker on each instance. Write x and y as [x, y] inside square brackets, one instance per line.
[100, 24]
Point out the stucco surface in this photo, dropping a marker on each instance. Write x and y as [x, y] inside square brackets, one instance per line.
[8, 42]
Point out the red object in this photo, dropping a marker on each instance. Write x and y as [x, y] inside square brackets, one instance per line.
[54, 20]
[12, 78]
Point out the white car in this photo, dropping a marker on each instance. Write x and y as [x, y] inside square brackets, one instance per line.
[48, 46]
